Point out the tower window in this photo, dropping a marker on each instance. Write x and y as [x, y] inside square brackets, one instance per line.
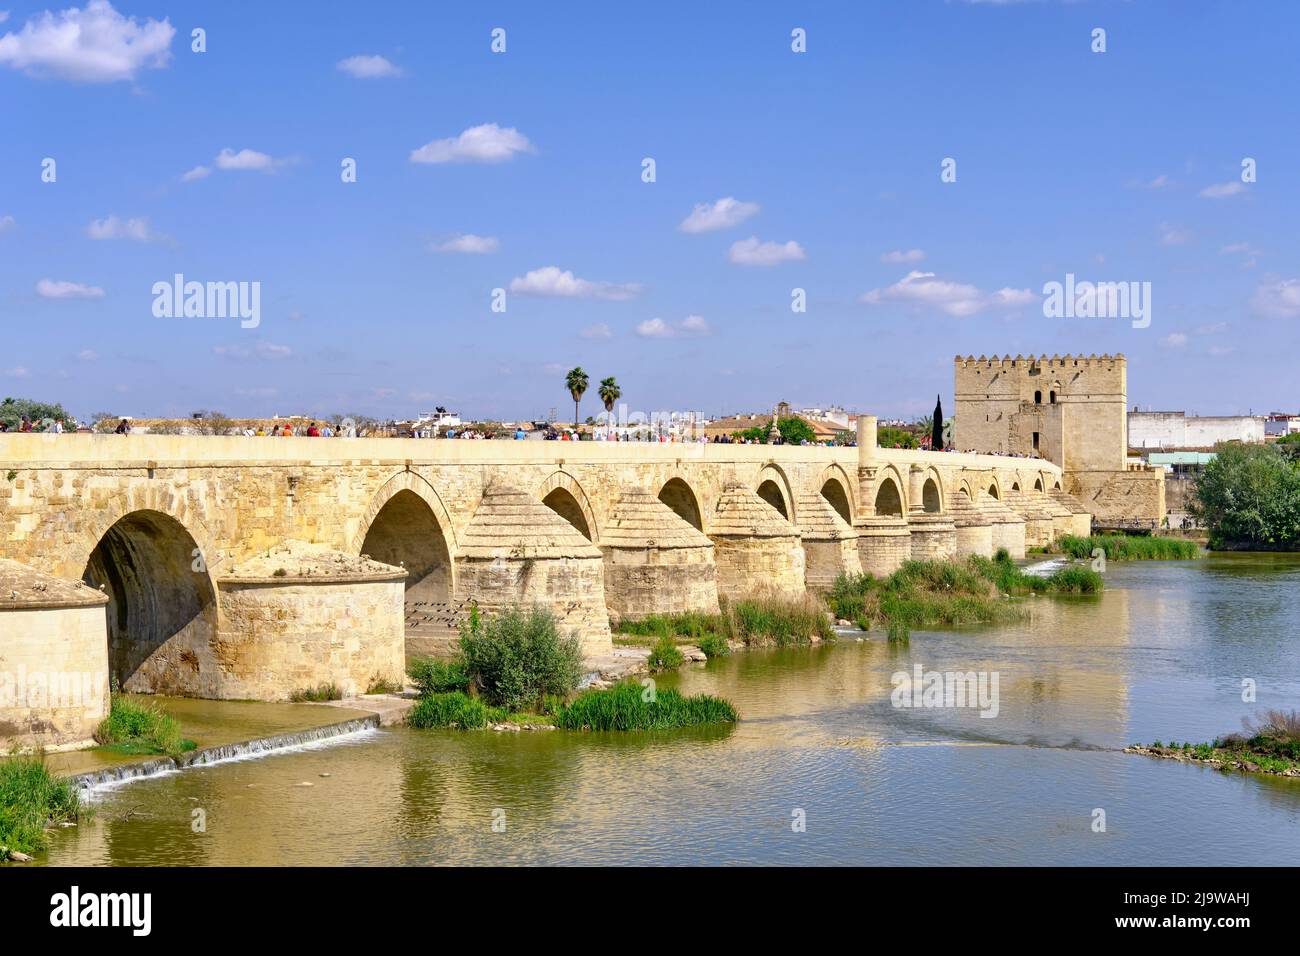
[1038, 398]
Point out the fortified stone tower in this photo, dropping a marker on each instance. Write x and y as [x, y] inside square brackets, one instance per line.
[1070, 410]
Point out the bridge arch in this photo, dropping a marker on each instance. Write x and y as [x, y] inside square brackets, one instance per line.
[995, 488]
[836, 488]
[773, 486]
[407, 525]
[890, 499]
[933, 495]
[678, 495]
[562, 493]
[162, 604]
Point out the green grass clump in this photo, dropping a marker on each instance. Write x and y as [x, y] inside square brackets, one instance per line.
[690, 625]
[433, 676]
[665, 655]
[321, 692]
[30, 801]
[948, 593]
[1120, 547]
[629, 706]
[452, 709]
[770, 620]
[516, 658]
[140, 727]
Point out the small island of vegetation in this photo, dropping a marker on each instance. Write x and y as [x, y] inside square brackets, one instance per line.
[1270, 745]
[516, 668]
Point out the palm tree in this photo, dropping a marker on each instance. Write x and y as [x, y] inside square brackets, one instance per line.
[576, 383]
[609, 394]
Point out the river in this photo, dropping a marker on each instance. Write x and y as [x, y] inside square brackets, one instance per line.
[1160, 655]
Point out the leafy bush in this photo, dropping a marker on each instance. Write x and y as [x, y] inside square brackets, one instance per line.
[714, 645]
[433, 676]
[142, 727]
[665, 655]
[517, 657]
[628, 706]
[453, 709]
[30, 800]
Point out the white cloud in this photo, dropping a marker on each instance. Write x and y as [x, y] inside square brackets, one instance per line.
[246, 159]
[721, 214]
[16, 372]
[1278, 299]
[114, 228]
[1243, 249]
[899, 257]
[488, 143]
[59, 289]
[87, 355]
[198, 172]
[262, 350]
[469, 244]
[7, 224]
[1222, 190]
[368, 67]
[1174, 340]
[692, 325]
[552, 281]
[1174, 235]
[4, 15]
[92, 45]
[954, 298]
[599, 331]
[751, 252]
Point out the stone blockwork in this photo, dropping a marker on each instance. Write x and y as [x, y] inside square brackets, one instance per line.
[830, 544]
[757, 551]
[655, 562]
[53, 660]
[299, 616]
[1070, 410]
[516, 552]
[167, 524]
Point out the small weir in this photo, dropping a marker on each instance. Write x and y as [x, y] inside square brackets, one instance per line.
[223, 753]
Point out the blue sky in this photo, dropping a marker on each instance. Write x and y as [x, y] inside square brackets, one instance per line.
[1115, 166]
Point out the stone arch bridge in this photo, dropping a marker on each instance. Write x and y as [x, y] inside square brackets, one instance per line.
[233, 567]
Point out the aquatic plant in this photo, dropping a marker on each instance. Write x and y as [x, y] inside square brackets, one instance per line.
[453, 709]
[140, 726]
[31, 799]
[948, 593]
[629, 706]
[1121, 547]
[317, 694]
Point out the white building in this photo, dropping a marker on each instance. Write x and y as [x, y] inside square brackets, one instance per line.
[1180, 430]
